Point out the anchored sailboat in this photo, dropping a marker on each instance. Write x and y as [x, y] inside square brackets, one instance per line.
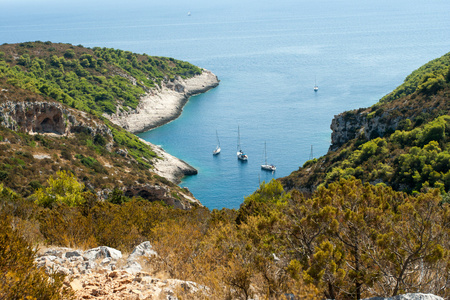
[316, 88]
[240, 153]
[266, 166]
[217, 150]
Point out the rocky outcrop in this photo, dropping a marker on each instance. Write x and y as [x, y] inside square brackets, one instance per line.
[164, 104]
[362, 124]
[169, 166]
[48, 117]
[161, 193]
[103, 273]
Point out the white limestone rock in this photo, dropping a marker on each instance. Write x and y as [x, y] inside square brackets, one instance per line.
[411, 296]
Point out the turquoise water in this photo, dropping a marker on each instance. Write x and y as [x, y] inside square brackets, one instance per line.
[267, 57]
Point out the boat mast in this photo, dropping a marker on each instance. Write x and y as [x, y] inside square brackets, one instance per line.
[265, 153]
[217, 136]
[239, 140]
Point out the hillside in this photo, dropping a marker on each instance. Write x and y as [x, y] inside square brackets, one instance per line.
[98, 80]
[402, 141]
[53, 99]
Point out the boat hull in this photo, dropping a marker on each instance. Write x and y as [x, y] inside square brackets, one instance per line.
[242, 156]
[270, 168]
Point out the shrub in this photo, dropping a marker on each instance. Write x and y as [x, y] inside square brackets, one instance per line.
[19, 277]
[64, 189]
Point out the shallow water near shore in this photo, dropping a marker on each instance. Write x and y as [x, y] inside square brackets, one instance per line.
[268, 57]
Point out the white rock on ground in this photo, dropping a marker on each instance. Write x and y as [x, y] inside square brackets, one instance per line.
[412, 296]
[97, 274]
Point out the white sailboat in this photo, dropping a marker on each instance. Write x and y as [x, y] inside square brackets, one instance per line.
[316, 88]
[266, 166]
[240, 154]
[217, 150]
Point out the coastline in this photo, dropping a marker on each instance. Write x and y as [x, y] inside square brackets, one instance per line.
[161, 106]
[170, 166]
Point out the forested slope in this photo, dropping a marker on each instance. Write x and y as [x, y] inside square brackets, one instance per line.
[98, 80]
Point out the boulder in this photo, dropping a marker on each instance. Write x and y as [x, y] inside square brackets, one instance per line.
[102, 252]
[143, 249]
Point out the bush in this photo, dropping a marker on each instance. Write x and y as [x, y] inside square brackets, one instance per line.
[64, 189]
[19, 277]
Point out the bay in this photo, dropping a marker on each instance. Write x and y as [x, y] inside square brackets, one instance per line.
[267, 56]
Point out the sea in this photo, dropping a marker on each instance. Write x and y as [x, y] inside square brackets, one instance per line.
[268, 56]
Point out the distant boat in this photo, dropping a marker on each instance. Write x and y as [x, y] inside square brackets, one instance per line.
[240, 153]
[266, 166]
[316, 88]
[189, 13]
[217, 150]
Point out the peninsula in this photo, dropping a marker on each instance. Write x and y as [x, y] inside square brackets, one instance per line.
[160, 106]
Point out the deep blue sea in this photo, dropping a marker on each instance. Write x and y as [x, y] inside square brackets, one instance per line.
[267, 56]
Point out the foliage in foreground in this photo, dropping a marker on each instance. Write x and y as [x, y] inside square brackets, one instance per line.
[347, 241]
[19, 277]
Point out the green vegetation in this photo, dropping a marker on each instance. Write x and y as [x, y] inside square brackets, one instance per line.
[347, 241]
[422, 158]
[411, 154]
[64, 189]
[427, 79]
[98, 80]
[27, 161]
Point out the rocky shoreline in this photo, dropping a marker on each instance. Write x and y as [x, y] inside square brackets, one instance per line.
[164, 104]
[161, 106]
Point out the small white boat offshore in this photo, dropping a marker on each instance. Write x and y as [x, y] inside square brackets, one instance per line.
[240, 154]
[217, 150]
[266, 166]
[316, 88]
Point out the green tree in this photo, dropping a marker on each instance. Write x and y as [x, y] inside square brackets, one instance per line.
[63, 189]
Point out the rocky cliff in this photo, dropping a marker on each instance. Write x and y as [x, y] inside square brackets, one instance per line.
[362, 123]
[48, 118]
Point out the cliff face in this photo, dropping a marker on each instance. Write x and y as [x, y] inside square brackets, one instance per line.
[48, 117]
[362, 124]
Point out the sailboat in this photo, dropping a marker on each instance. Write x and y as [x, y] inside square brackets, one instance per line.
[316, 88]
[240, 153]
[217, 150]
[266, 166]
